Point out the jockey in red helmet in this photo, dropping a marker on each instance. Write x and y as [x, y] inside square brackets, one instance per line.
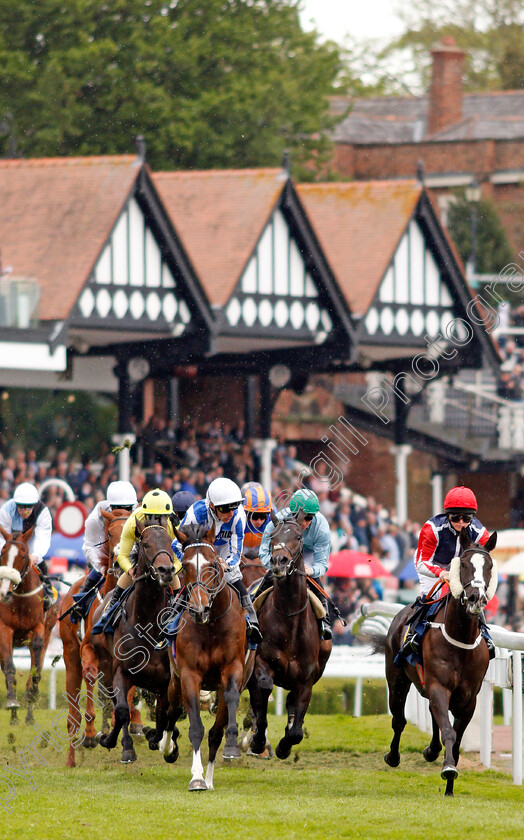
[438, 544]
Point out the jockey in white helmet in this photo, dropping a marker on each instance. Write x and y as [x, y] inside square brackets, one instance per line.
[121, 495]
[18, 515]
[223, 508]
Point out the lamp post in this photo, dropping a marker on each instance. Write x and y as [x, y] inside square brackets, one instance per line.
[473, 196]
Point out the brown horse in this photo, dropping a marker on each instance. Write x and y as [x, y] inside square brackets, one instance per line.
[251, 567]
[22, 618]
[210, 654]
[455, 658]
[79, 656]
[131, 656]
[291, 655]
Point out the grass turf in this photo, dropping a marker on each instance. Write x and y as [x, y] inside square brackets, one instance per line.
[335, 784]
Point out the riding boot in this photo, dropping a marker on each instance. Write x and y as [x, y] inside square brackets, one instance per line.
[49, 595]
[100, 626]
[253, 629]
[326, 632]
[265, 583]
[413, 640]
[93, 580]
[483, 628]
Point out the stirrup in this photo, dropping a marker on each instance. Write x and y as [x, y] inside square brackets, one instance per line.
[326, 633]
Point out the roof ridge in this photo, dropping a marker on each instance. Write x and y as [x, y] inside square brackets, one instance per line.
[273, 170]
[68, 161]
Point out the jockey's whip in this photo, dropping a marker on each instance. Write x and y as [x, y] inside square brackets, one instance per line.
[329, 599]
[76, 603]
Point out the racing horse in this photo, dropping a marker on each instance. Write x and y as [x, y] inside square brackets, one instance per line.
[133, 656]
[79, 655]
[22, 618]
[210, 653]
[455, 658]
[292, 654]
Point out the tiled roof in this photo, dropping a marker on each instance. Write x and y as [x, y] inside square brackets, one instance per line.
[497, 115]
[358, 226]
[219, 216]
[55, 215]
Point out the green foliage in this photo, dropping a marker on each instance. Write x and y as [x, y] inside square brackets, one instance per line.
[493, 248]
[209, 83]
[45, 421]
[491, 32]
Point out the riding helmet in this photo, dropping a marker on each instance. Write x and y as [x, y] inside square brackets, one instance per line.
[157, 502]
[305, 500]
[460, 500]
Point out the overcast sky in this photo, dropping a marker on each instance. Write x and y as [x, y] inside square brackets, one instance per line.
[359, 18]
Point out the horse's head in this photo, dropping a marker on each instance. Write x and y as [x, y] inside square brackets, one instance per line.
[114, 521]
[203, 572]
[155, 556]
[473, 576]
[287, 546]
[14, 559]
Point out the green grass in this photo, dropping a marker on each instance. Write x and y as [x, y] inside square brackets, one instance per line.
[334, 785]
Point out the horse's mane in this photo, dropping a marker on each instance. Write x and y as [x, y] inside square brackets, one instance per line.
[104, 555]
[195, 532]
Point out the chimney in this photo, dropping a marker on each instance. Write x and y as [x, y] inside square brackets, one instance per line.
[445, 93]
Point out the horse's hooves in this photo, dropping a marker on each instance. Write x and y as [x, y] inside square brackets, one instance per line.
[89, 742]
[265, 754]
[391, 761]
[147, 730]
[232, 752]
[128, 756]
[282, 752]
[172, 757]
[12, 704]
[136, 729]
[449, 773]
[153, 745]
[101, 738]
[197, 784]
[429, 755]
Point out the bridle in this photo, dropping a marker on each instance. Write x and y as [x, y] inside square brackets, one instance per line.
[28, 565]
[151, 570]
[472, 550]
[291, 565]
[210, 588]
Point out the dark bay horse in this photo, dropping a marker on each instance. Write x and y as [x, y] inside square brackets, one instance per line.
[79, 655]
[291, 655]
[210, 654]
[22, 618]
[130, 657]
[455, 658]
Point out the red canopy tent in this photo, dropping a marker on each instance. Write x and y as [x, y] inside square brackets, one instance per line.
[355, 564]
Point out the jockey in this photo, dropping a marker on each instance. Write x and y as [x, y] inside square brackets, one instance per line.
[121, 495]
[156, 509]
[181, 502]
[18, 515]
[438, 544]
[222, 508]
[258, 507]
[317, 547]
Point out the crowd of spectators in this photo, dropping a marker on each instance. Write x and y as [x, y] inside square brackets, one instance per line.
[189, 459]
[511, 348]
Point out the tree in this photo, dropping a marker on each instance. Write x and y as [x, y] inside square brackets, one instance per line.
[209, 83]
[493, 250]
[491, 32]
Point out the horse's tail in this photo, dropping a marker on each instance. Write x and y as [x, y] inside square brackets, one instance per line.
[374, 631]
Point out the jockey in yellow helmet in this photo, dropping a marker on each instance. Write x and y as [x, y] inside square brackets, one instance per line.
[258, 506]
[156, 509]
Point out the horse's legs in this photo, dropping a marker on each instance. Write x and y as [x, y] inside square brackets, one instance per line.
[399, 683]
[135, 726]
[73, 683]
[297, 704]
[168, 740]
[439, 704]
[8, 665]
[226, 714]
[260, 687]
[89, 673]
[191, 684]
[121, 686]
[459, 725]
[432, 751]
[31, 692]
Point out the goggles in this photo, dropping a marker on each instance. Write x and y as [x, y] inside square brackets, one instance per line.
[460, 517]
[257, 514]
[308, 517]
[24, 507]
[227, 508]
